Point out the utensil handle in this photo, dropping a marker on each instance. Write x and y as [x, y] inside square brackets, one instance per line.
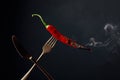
[49, 77]
[40, 67]
[28, 73]
[30, 70]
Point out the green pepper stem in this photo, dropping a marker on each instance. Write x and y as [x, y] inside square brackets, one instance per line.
[40, 19]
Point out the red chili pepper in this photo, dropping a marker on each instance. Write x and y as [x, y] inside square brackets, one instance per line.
[53, 31]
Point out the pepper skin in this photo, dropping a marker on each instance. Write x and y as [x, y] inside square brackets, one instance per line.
[54, 32]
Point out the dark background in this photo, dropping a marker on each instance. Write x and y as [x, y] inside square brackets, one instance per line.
[77, 19]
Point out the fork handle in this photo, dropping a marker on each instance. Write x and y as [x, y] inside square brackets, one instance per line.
[28, 73]
[40, 67]
[30, 70]
[43, 71]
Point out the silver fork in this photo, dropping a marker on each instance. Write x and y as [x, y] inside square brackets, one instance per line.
[47, 47]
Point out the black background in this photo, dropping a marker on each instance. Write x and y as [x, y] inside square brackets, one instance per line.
[77, 19]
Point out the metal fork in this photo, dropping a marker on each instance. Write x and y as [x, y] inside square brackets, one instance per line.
[47, 47]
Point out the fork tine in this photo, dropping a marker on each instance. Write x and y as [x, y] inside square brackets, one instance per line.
[49, 40]
[48, 43]
[46, 47]
[53, 43]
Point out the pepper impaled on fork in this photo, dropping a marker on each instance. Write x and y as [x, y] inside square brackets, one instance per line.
[53, 31]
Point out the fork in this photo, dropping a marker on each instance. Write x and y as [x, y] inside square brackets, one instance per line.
[47, 47]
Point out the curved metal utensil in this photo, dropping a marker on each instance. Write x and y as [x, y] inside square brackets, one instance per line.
[20, 49]
[24, 54]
